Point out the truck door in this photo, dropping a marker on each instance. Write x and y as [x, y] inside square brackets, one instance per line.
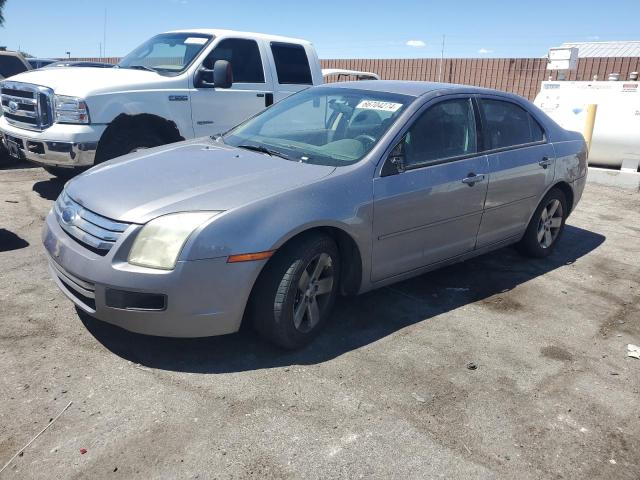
[293, 68]
[216, 110]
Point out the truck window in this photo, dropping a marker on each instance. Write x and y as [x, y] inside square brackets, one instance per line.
[292, 64]
[244, 57]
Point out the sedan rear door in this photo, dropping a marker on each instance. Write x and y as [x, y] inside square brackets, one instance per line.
[431, 211]
[521, 167]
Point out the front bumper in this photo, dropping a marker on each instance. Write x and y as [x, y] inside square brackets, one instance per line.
[203, 297]
[57, 146]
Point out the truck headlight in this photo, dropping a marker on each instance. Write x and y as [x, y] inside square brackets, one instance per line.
[160, 241]
[70, 109]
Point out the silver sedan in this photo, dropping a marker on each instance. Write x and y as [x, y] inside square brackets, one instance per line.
[336, 190]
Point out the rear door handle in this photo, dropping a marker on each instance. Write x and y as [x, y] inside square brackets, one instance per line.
[545, 162]
[472, 179]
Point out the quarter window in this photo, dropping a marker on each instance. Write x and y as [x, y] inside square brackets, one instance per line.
[508, 125]
[292, 64]
[446, 130]
[244, 57]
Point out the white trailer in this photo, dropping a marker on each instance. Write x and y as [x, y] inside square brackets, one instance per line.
[616, 135]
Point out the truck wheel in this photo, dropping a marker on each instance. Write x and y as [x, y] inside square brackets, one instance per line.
[122, 141]
[546, 226]
[295, 293]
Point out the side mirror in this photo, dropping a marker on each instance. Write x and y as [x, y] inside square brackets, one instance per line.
[222, 74]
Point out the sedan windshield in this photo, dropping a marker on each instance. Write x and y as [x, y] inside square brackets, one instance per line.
[168, 52]
[324, 126]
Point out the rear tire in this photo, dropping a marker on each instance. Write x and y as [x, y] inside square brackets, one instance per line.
[295, 293]
[546, 226]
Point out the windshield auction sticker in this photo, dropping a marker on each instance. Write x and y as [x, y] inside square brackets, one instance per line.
[195, 41]
[377, 105]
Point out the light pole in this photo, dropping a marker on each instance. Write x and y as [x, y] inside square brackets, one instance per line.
[68, 54]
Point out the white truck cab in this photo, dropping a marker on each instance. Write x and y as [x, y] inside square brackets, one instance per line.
[177, 85]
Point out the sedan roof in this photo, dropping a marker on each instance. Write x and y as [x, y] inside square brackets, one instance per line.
[405, 87]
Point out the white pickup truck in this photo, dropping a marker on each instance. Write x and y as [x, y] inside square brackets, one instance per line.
[177, 85]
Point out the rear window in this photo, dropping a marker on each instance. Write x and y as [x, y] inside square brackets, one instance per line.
[509, 125]
[292, 64]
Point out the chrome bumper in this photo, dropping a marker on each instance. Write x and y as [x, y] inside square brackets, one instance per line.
[50, 153]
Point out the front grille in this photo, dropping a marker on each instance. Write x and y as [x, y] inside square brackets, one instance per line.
[27, 106]
[83, 291]
[95, 232]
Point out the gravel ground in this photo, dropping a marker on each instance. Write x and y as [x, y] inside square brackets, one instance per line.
[385, 391]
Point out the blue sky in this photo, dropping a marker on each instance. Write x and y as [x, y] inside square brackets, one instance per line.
[339, 29]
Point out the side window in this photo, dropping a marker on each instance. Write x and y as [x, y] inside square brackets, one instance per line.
[292, 64]
[244, 57]
[446, 130]
[508, 125]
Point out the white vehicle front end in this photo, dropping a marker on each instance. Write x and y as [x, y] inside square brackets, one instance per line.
[46, 128]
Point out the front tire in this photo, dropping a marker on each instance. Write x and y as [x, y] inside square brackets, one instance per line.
[122, 142]
[546, 226]
[295, 293]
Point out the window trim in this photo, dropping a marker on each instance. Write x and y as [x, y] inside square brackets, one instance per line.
[479, 98]
[262, 59]
[275, 63]
[416, 117]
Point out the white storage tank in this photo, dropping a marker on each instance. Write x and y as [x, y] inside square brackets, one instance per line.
[616, 135]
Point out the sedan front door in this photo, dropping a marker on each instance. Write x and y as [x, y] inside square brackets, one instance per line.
[431, 211]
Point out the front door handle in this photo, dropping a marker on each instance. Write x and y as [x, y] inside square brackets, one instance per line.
[472, 179]
[545, 162]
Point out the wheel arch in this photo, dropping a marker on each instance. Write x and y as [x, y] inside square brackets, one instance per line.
[166, 129]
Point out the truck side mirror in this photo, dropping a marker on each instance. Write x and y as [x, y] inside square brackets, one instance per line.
[222, 74]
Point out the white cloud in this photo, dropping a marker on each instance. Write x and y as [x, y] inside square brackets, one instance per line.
[484, 51]
[416, 44]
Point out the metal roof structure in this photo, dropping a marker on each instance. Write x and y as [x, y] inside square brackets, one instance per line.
[606, 49]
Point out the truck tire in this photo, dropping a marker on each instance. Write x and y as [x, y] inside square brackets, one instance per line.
[121, 142]
[295, 293]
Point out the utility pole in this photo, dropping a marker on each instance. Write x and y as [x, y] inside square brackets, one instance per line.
[441, 60]
[104, 35]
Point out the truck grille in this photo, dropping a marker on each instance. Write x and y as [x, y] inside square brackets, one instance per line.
[27, 106]
[93, 231]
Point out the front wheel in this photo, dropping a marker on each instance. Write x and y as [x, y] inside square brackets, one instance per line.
[295, 294]
[546, 225]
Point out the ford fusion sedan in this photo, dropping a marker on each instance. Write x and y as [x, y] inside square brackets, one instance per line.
[335, 190]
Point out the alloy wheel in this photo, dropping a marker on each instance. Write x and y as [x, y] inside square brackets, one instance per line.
[313, 292]
[550, 223]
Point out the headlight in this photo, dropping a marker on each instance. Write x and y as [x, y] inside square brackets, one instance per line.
[70, 109]
[160, 241]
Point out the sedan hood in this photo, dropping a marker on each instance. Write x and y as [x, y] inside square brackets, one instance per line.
[194, 175]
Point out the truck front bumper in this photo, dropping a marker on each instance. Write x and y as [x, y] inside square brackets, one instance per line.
[58, 146]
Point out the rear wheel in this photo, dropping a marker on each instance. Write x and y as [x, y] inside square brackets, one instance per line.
[546, 226]
[295, 294]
